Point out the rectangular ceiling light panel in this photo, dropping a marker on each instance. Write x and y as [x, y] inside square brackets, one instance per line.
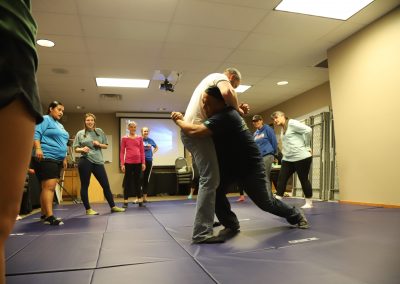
[123, 83]
[336, 9]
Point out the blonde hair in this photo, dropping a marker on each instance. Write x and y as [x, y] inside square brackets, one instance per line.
[94, 126]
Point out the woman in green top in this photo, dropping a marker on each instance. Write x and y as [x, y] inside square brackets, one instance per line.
[19, 109]
[89, 142]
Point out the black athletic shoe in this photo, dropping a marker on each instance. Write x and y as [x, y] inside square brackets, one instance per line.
[303, 223]
[211, 240]
[53, 221]
[216, 224]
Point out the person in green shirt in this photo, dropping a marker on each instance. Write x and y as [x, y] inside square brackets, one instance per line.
[20, 109]
[89, 142]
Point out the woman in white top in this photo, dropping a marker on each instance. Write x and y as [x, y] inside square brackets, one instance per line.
[296, 151]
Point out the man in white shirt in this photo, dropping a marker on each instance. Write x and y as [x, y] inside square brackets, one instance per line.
[203, 152]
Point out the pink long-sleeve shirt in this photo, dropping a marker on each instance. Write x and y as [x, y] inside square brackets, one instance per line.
[132, 150]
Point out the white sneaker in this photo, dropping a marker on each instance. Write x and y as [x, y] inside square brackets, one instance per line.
[305, 206]
[278, 197]
[308, 203]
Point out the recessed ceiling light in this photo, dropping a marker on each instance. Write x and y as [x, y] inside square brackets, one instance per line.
[80, 107]
[336, 9]
[161, 109]
[242, 88]
[123, 83]
[281, 83]
[45, 42]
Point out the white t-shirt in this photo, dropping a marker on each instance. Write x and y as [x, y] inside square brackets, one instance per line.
[194, 111]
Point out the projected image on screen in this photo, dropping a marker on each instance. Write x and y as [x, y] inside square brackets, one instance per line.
[164, 132]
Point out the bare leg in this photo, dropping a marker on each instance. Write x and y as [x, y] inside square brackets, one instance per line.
[47, 196]
[19, 127]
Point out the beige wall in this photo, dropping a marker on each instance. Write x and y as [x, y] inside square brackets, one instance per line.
[365, 87]
[110, 124]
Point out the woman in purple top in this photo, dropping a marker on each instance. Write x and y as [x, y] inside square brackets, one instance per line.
[150, 147]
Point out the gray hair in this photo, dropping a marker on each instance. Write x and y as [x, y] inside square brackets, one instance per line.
[277, 113]
[233, 71]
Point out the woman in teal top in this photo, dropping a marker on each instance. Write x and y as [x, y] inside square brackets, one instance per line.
[89, 142]
[296, 151]
[50, 150]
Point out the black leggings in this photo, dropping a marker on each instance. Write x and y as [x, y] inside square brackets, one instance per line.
[302, 168]
[132, 180]
[86, 168]
[146, 176]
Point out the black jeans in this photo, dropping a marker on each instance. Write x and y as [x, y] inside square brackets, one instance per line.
[302, 168]
[255, 186]
[132, 184]
[86, 168]
[146, 176]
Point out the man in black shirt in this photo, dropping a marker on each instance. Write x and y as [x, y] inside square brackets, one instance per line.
[239, 161]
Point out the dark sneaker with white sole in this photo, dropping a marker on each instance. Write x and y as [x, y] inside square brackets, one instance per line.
[303, 223]
[53, 221]
[211, 240]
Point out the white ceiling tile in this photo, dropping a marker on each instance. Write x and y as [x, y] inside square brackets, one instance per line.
[112, 28]
[260, 4]
[63, 59]
[54, 6]
[58, 24]
[152, 10]
[204, 36]
[296, 26]
[194, 52]
[206, 14]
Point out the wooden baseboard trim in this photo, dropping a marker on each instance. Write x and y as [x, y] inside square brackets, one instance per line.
[369, 204]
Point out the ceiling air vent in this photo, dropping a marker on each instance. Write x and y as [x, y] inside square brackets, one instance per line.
[59, 71]
[110, 97]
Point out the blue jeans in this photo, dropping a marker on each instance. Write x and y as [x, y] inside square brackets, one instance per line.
[205, 157]
[268, 160]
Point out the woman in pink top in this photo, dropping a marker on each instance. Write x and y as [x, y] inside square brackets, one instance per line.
[132, 164]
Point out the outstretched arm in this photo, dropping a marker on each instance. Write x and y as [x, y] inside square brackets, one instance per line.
[194, 130]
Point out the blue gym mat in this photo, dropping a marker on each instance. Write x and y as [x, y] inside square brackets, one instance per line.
[346, 244]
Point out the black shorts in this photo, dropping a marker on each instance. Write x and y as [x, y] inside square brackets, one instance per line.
[18, 76]
[47, 168]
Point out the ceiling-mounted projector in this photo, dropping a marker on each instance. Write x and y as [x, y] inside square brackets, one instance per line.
[168, 79]
[167, 86]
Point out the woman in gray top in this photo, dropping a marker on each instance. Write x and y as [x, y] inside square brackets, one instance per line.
[296, 151]
[89, 142]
